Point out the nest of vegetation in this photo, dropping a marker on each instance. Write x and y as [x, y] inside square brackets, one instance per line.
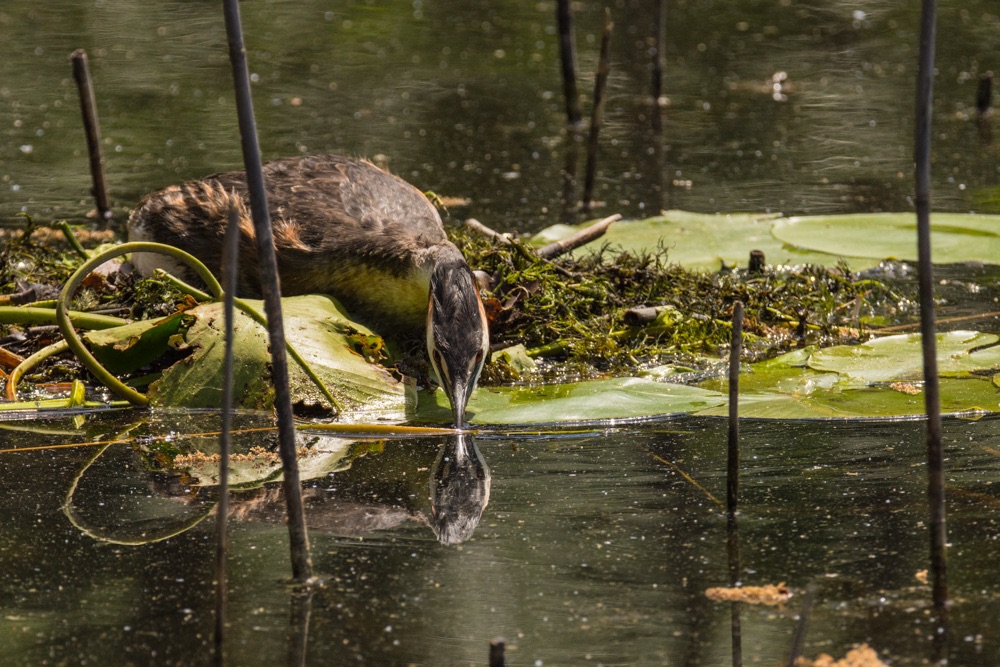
[590, 314]
[606, 312]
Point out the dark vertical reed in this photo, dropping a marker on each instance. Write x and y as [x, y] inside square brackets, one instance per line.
[802, 627]
[497, 648]
[984, 98]
[733, 476]
[230, 267]
[299, 621]
[567, 54]
[656, 111]
[298, 536]
[91, 125]
[733, 553]
[597, 113]
[935, 467]
[733, 467]
[984, 93]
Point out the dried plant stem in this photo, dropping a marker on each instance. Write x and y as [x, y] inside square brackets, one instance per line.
[81, 73]
[932, 401]
[597, 113]
[297, 533]
[733, 467]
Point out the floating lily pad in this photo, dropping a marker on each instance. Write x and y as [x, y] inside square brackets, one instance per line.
[695, 240]
[955, 237]
[900, 358]
[880, 379]
[617, 398]
[699, 241]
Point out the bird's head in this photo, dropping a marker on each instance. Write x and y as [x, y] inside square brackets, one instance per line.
[457, 334]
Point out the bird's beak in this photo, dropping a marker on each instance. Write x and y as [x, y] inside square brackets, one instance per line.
[459, 397]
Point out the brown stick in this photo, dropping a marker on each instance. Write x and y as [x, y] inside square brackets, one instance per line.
[733, 467]
[480, 228]
[582, 237]
[93, 129]
[641, 315]
[597, 114]
[230, 271]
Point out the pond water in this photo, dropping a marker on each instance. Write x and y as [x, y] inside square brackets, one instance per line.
[464, 98]
[593, 547]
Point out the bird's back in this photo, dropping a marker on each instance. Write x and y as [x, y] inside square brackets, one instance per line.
[342, 227]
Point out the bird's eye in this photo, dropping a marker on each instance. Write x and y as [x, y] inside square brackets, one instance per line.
[479, 357]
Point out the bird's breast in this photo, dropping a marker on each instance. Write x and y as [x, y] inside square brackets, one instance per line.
[392, 304]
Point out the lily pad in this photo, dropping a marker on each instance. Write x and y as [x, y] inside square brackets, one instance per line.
[316, 326]
[955, 237]
[877, 380]
[699, 241]
[695, 240]
[900, 358]
[617, 398]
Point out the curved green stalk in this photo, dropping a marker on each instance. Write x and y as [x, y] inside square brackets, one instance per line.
[41, 315]
[66, 322]
[101, 536]
[182, 286]
[29, 363]
[71, 239]
[66, 325]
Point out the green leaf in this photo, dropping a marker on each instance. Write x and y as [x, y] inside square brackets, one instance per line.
[617, 398]
[955, 237]
[130, 347]
[316, 326]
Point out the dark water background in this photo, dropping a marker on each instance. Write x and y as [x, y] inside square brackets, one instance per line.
[591, 550]
[464, 98]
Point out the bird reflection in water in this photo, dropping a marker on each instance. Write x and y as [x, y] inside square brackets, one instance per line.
[460, 490]
[388, 490]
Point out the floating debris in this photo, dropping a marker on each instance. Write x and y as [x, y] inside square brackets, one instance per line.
[771, 595]
[861, 656]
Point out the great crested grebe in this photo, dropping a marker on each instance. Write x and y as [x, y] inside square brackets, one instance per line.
[345, 228]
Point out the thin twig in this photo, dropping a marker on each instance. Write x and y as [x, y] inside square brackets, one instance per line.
[574, 118]
[735, 569]
[567, 53]
[657, 107]
[497, 647]
[297, 533]
[488, 232]
[691, 480]
[802, 627]
[582, 237]
[230, 268]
